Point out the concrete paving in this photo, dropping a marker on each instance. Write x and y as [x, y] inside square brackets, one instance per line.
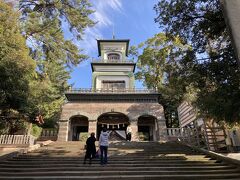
[232, 155]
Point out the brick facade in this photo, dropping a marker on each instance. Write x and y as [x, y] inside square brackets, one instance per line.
[92, 110]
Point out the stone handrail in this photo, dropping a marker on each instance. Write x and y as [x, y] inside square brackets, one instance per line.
[49, 132]
[17, 139]
[91, 90]
[174, 132]
[187, 135]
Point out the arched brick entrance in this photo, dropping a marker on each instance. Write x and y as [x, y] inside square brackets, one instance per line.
[147, 128]
[115, 122]
[78, 128]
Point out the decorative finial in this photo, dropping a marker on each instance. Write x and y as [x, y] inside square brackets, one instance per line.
[113, 34]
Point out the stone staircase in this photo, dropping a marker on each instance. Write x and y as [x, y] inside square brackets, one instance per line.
[127, 160]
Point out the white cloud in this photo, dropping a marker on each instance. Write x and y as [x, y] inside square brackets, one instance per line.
[15, 3]
[103, 15]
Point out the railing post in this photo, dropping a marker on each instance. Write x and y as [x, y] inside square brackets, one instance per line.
[197, 133]
[189, 135]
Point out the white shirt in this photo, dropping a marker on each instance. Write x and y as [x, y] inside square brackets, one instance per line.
[103, 139]
[129, 129]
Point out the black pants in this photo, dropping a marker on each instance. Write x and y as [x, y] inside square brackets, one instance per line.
[104, 150]
[90, 154]
[129, 136]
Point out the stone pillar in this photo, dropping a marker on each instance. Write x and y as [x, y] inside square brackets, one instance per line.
[162, 129]
[63, 130]
[134, 126]
[92, 126]
[155, 131]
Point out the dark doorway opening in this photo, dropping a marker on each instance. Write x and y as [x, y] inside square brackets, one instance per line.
[79, 128]
[144, 133]
[78, 131]
[147, 128]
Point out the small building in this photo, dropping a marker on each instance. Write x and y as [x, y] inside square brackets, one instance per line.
[113, 101]
[217, 137]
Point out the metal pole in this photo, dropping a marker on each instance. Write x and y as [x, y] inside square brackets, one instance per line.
[231, 11]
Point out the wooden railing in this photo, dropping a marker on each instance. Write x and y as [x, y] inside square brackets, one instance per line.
[17, 139]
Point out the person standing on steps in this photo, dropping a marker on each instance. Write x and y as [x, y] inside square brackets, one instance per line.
[103, 143]
[129, 133]
[90, 148]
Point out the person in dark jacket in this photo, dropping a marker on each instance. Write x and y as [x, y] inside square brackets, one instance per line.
[90, 148]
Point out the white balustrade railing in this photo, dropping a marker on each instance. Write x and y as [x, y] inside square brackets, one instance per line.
[179, 132]
[49, 133]
[17, 139]
[188, 135]
[174, 132]
[111, 90]
[117, 61]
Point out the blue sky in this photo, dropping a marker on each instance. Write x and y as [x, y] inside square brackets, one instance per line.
[131, 19]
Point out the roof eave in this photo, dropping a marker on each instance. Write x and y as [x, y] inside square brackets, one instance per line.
[113, 40]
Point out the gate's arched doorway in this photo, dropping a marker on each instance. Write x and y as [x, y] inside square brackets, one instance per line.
[147, 128]
[78, 128]
[115, 122]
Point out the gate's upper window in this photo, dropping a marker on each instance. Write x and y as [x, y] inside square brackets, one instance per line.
[114, 85]
[113, 56]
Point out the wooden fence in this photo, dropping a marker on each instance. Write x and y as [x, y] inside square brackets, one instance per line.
[17, 139]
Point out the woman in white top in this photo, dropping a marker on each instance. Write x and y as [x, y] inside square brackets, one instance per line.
[103, 143]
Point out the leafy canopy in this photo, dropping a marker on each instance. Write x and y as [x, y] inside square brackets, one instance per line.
[51, 29]
[215, 80]
[158, 65]
[16, 71]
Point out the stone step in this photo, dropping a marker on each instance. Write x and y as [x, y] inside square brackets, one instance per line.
[118, 168]
[124, 165]
[117, 157]
[152, 161]
[133, 177]
[82, 153]
[114, 158]
[124, 155]
[123, 172]
[129, 145]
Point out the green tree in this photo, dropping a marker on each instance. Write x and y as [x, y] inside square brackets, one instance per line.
[215, 78]
[158, 67]
[16, 70]
[55, 54]
[198, 22]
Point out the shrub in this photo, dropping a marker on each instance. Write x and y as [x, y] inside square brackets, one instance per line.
[36, 130]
